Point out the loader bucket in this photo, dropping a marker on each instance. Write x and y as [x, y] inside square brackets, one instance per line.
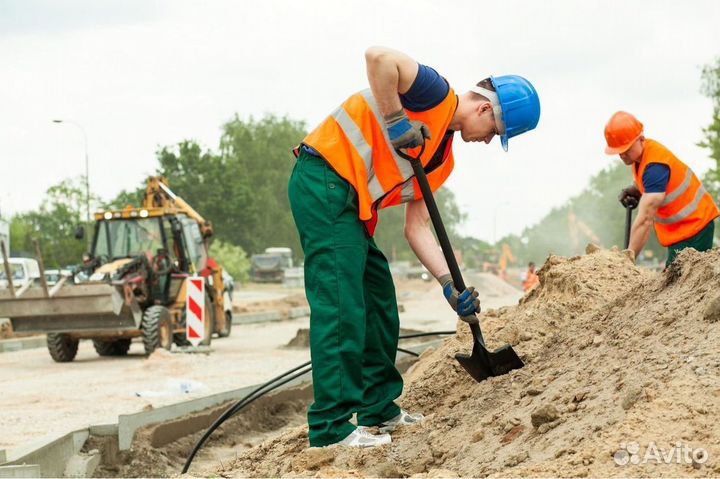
[72, 308]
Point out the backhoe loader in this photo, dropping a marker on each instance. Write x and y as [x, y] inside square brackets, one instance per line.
[132, 283]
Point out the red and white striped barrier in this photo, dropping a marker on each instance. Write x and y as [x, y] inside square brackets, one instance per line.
[195, 312]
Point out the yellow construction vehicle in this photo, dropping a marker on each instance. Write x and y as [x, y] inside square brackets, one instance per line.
[497, 263]
[132, 283]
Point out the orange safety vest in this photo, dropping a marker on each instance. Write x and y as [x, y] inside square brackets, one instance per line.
[687, 207]
[355, 143]
[531, 281]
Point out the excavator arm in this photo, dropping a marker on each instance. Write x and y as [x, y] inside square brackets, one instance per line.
[159, 195]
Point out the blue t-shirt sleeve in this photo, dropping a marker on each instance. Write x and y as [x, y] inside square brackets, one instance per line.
[656, 178]
[427, 91]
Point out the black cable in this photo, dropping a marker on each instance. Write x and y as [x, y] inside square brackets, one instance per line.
[407, 351]
[259, 392]
[420, 335]
[233, 410]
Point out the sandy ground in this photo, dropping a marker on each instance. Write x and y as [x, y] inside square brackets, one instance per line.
[95, 390]
[621, 379]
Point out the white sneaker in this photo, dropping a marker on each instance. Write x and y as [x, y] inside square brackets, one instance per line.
[361, 437]
[402, 419]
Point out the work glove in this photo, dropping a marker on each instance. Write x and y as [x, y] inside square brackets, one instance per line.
[405, 133]
[466, 303]
[630, 197]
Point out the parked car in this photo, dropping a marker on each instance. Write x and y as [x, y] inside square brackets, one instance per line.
[22, 270]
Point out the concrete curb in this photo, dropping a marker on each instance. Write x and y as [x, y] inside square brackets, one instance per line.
[50, 456]
[18, 344]
[271, 315]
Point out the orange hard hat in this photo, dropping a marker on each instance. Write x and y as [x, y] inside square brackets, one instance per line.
[621, 131]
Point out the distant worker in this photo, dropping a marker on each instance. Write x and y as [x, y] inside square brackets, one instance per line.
[669, 194]
[531, 278]
[347, 170]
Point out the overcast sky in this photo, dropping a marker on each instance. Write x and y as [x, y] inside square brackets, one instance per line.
[142, 74]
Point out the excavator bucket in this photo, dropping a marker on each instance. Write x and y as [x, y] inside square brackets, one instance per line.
[85, 307]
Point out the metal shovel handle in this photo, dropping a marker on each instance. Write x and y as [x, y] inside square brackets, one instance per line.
[439, 228]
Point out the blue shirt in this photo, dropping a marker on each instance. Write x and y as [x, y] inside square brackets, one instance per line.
[427, 91]
[656, 177]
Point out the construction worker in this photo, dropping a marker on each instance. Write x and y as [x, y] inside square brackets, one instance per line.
[347, 169]
[668, 193]
[531, 278]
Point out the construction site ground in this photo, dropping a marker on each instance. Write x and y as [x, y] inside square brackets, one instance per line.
[621, 378]
[42, 397]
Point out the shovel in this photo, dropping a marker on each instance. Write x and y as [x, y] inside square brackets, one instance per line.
[628, 221]
[482, 363]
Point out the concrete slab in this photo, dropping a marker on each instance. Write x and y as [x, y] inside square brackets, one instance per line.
[27, 470]
[19, 344]
[50, 453]
[83, 464]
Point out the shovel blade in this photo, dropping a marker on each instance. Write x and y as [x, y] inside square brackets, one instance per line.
[482, 364]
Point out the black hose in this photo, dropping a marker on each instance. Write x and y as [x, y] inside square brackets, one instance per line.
[234, 410]
[260, 391]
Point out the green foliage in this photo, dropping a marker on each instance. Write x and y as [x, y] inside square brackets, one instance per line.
[390, 236]
[596, 207]
[242, 189]
[54, 224]
[711, 88]
[233, 259]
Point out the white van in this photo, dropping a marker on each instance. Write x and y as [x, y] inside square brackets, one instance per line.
[23, 271]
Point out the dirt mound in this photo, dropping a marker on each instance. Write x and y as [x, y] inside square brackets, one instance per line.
[283, 305]
[301, 339]
[621, 379]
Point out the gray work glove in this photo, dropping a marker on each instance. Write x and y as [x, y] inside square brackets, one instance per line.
[630, 197]
[404, 133]
[466, 303]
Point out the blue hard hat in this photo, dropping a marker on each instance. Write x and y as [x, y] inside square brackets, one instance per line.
[519, 103]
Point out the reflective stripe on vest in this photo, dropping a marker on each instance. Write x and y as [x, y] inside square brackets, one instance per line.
[685, 212]
[355, 143]
[670, 197]
[687, 207]
[355, 135]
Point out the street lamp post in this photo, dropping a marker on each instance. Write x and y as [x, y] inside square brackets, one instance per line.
[87, 166]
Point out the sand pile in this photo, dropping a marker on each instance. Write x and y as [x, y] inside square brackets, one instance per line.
[622, 372]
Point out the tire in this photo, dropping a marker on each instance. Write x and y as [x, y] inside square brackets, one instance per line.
[62, 347]
[118, 347]
[157, 329]
[180, 338]
[228, 326]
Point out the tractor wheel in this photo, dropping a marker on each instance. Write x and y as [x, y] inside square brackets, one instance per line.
[118, 347]
[228, 325]
[181, 338]
[62, 347]
[157, 329]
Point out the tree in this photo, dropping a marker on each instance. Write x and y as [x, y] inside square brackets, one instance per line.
[232, 258]
[711, 88]
[54, 225]
[390, 236]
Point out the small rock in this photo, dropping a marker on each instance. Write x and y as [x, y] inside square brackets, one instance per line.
[597, 340]
[544, 414]
[516, 459]
[525, 336]
[712, 311]
[534, 391]
[580, 396]
[699, 370]
[478, 436]
[592, 248]
[632, 396]
[313, 458]
[629, 254]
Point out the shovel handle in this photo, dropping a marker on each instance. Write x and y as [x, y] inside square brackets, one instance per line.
[435, 217]
[628, 222]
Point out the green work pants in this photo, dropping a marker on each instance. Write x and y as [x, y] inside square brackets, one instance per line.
[702, 241]
[354, 323]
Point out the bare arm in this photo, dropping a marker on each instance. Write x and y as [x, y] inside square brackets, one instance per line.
[421, 239]
[389, 72]
[640, 233]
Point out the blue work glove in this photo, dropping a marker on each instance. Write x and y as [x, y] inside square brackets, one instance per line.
[405, 133]
[466, 303]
